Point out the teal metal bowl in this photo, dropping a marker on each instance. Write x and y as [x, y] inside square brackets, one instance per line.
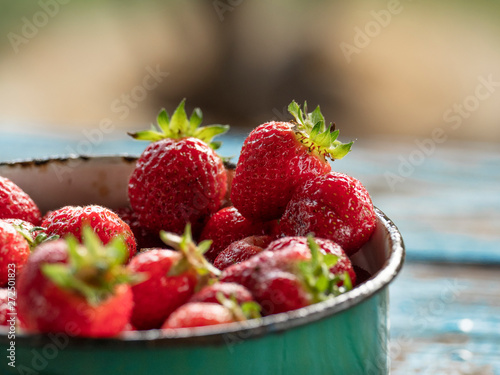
[348, 334]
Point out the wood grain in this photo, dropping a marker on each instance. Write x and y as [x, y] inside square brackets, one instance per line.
[445, 319]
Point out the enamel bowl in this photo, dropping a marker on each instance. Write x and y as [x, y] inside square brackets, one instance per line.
[348, 334]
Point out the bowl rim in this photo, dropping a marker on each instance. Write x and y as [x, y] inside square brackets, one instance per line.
[241, 331]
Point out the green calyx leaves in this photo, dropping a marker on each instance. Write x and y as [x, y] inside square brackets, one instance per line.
[312, 131]
[192, 255]
[247, 310]
[34, 236]
[93, 270]
[180, 126]
[318, 278]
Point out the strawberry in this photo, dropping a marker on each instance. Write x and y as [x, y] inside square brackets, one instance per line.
[16, 204]
[199, 314]
[105, 223]
[290, 278]
[15, 247]
[172, 278]
[7, 306]
[277, 157]
[224, 310]
[14, 252]
[160, 294]
[241, 250]
[228, 225]
[144, 238]
[76, 289]
[33, 235]
[343, 263]
[179, 178]
[22, 225]
[333, 206]
[228, 290]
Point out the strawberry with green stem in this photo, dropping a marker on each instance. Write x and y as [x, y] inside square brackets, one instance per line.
[277, 157]
[14, 252]
[210, 292]
[200, 314]
[34, 235]
[290, 278]
[84, 288]
[178, 178]
[173, 277]
[17, 239]
[343, 263]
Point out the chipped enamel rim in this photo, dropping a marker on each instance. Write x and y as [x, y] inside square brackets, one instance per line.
[217, 335]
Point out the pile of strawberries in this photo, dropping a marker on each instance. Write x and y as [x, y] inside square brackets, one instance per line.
[200, 244]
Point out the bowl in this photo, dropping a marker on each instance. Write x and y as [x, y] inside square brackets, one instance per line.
[348, 334]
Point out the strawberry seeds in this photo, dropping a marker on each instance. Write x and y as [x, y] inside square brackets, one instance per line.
[196, 246]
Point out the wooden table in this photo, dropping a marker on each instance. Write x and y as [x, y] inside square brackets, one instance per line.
[445, 305]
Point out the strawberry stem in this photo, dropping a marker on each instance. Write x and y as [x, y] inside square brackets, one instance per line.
[193, 255]
[247, 310]
[180, 126]
[311, 130]
[34, 236]
[93, 270]
[318, 278]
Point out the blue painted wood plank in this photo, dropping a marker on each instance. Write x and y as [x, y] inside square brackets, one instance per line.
[447, 208]
[20, 146]
[445, 319]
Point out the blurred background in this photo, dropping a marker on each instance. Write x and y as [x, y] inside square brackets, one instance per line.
[415, 83]
[375, 67]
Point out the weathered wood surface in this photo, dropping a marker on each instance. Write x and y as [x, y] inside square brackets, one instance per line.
[447, 207]
[445, 314]
[445, 319]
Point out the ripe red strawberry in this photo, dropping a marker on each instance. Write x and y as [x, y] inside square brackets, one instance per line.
[228, 225]
[332, 206]
[21, 225]
[14, 252]
[16, 204]
[172, 279]
[228, 290]
[179, 178]
[7, 306]
[288, 279]
[144, 238]
[198, 314]
[279, 156]
[105, 223]
[160, 294]
[15, 247]
[242, 250]
[343, 263]
[76, 289]
[33, 235]
[224, 310]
